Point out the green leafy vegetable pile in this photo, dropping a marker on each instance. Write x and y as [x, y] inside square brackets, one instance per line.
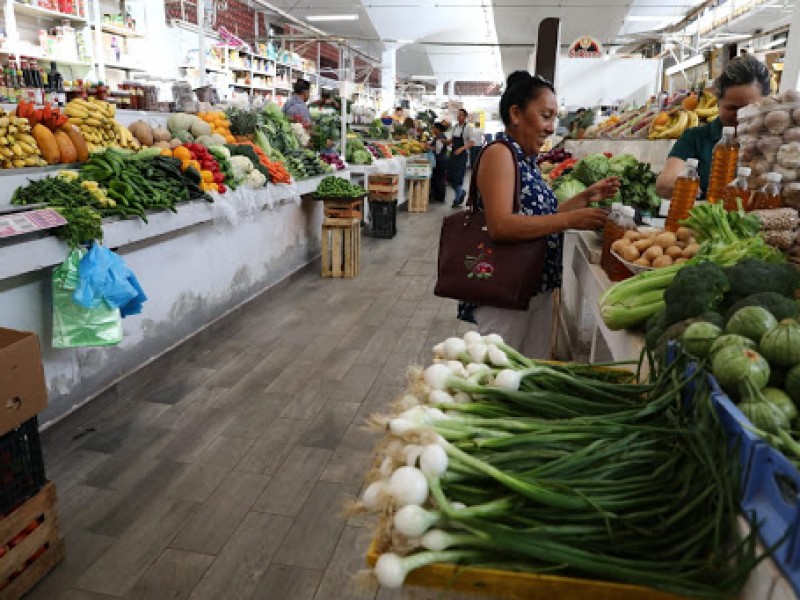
[336, 187]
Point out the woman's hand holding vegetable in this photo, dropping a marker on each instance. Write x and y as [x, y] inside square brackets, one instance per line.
[602, 190]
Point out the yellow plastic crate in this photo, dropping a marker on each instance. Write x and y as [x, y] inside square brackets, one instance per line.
[511, 585]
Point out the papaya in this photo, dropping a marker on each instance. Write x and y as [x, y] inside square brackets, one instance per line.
[65, 148]
[76, 137]
[47, 143]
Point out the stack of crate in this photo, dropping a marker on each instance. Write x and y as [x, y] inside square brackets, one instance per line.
[418, 174]
[383, 190]
[30, 540]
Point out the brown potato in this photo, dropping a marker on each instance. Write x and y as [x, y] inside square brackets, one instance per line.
[684, 234]
[629, 253]
[642, 262]
[653, 252]
[642, 245]
[690, 251]
[674, 252]
[618, 245]
[666, 239]
[662, 261]
[632, 235]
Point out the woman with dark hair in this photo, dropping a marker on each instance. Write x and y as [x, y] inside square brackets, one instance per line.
[745, 80]
[295, 108]
[529, 111]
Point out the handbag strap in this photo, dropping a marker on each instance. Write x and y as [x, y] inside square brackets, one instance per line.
[473, 181]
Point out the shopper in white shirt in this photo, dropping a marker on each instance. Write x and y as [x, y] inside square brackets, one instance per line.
[460, 141]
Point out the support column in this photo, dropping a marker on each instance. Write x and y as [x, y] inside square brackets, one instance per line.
[388, 77]
[790, 80]
[201, 40]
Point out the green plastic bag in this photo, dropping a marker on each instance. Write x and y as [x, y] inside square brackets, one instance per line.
[73, 325]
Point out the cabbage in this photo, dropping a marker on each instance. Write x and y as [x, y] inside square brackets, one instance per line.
[620, 162]
[568, 187]
[592, 169]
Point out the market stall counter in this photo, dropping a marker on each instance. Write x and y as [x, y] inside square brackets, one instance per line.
[196, 266]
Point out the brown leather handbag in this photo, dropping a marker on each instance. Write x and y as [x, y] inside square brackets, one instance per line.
[476, 269]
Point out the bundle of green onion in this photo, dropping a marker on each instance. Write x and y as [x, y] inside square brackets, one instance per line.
[495, 459]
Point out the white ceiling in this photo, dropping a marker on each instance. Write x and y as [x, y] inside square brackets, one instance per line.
[456, 39]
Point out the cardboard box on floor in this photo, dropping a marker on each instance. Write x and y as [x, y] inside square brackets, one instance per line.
[23, 392]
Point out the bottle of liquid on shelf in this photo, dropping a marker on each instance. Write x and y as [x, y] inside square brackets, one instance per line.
[738, 191]
[611, 233]
[684, 195]
[770, 194]
[723, 164]
[626, 221]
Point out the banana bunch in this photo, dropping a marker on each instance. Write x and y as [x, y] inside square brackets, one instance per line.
[678, 121]
[125, 138]
[707, 107]
[18, 148]
[95, 119]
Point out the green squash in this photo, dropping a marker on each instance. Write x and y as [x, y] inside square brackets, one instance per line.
[781, 345]
[792, 383]
[699, 337]
[764, 415]
[751, 322]
[731, 339]
[782, 400]
[740, 370]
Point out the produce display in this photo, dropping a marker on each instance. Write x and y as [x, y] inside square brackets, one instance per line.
[547, 161]
[336, 187]
[219, 124]
[303, 163]
[380, 150]
[769, 134]
[18, 147]
[95, 119]
[327, 126]
[334, 160]
[189, 128]
[275, 172]
[656, 248]
[693, 111]
[637, 180]
[278, 129]
[492, 459]
[725, 238]
[378, 131]
[198, 156]
[631, 124]
[356, 153]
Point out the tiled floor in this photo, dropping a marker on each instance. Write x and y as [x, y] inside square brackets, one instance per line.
[220, 470]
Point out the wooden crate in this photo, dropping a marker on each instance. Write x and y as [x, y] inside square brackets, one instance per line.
[341, 247]
[386, 184]
[383, 196]
[343, 209]
[418, 192]
[18, 573]
[511, 585]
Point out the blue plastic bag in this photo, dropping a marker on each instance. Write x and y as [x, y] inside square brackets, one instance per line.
[104, 278]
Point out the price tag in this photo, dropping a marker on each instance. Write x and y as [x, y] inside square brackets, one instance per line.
[30, 221]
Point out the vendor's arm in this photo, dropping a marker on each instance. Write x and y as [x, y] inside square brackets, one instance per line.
[666, 179]
[496, 184]
[597, 192]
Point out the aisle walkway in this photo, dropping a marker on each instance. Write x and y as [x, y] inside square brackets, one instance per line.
[219, 471]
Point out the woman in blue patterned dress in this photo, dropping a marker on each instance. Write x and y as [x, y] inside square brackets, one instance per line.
[529, 111]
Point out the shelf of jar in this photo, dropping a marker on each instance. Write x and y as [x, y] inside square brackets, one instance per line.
[38, 11]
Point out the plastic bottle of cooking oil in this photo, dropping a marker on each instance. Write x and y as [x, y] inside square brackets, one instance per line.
[613, 229]
[768, 195]
[723, 164]
[738, 189]
[616, 270]
[684, 195]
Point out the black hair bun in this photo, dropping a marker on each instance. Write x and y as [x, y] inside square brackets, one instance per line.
[517, 77]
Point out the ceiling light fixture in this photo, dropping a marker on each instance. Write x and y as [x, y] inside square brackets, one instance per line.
[649, 18]
[774, 43]
[405, 41]
[423, 77]
[320, 18]
[699, 59]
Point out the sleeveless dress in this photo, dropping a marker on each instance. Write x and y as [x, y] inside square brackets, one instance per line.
[537, 199]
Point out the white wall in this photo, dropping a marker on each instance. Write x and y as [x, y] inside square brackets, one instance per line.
[595, 81]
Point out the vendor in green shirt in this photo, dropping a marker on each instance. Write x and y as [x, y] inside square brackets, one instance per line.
[745, 80]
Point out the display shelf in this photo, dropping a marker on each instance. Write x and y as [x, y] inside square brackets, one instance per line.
[240, 69]
[122, 31]
[208, 69]
[37, 11]
[124, 67]
[259, 88]
[264, 73]
[55, 59]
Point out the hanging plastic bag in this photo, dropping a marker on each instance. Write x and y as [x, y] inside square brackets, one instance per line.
[104, 278]
[73, 325]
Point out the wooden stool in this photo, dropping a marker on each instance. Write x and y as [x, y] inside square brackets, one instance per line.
[418, 191]
[343, 209]
[341, 247]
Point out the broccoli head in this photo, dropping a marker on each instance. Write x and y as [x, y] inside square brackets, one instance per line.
[781, 307]
[752, 276]
[696, 289]
[592, 169]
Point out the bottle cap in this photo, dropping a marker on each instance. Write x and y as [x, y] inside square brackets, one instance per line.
[773, 177]
[628, 211]
[728, 130]
[692, 162]
[743, 171]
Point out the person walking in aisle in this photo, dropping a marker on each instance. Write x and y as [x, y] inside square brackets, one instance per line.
[745, 80]
[439, 174]
[296, 108]
[529, 110]
[460, 141]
